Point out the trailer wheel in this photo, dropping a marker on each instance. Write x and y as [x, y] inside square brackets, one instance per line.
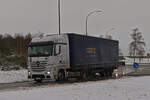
[61, 75]
[102, 74]
[110, 73]
[38, 80]
[107, 73]
[83, 75]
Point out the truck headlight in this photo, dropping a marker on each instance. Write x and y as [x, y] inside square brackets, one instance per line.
[29, 72]
[48, 72]
[116, 75]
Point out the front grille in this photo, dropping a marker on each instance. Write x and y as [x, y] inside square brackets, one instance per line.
[38, 66]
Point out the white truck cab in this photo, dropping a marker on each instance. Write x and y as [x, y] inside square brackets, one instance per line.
[47, 55]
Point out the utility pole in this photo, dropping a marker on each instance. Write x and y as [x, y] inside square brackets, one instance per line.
[59, 17]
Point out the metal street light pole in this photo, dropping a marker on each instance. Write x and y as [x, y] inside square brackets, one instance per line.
[59, 17]
[88, 17]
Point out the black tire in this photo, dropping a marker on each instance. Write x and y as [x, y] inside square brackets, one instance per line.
[93, 75]
[110, 73]
[107, 73]
[102, 74]
[61, 75]
[84, 75]
[38, 80]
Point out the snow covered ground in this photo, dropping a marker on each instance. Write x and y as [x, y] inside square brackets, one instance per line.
[13, 76]
[137, 88]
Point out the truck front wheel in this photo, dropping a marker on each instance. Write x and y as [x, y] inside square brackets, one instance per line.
[61, 75]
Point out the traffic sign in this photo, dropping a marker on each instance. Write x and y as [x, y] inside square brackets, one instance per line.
[135, 65]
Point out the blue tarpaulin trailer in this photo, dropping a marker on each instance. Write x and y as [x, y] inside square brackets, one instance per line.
[93, 54]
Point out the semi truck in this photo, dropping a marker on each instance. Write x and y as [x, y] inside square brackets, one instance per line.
[59, 57]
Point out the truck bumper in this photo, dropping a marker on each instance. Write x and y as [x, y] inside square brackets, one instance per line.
[41, 76]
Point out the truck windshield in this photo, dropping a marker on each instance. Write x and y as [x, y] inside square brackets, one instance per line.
[42, 50]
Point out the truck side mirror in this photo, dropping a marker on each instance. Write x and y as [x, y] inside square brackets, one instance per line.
[57, 50]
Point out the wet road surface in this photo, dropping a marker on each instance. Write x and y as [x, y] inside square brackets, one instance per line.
[32, 84]
[143, 70]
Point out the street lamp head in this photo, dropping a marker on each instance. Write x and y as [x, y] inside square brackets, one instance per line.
[93, 12]
[88, 16]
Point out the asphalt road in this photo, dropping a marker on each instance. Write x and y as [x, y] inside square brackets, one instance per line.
[32, 84]
[141, 71]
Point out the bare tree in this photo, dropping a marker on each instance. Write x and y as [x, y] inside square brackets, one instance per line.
[137, 46]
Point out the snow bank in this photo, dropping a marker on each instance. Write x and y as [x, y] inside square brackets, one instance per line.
[13, 76]
[121, 89]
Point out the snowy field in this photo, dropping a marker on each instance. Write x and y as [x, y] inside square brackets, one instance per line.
[13, 76]
[137, 88]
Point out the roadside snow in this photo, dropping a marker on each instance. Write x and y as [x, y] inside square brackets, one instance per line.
[120, 89]
[13, 76]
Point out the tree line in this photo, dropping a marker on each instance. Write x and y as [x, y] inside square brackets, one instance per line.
[17, 45]
[14, 45]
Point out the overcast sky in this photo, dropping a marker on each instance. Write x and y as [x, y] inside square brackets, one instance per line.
[41, 15]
